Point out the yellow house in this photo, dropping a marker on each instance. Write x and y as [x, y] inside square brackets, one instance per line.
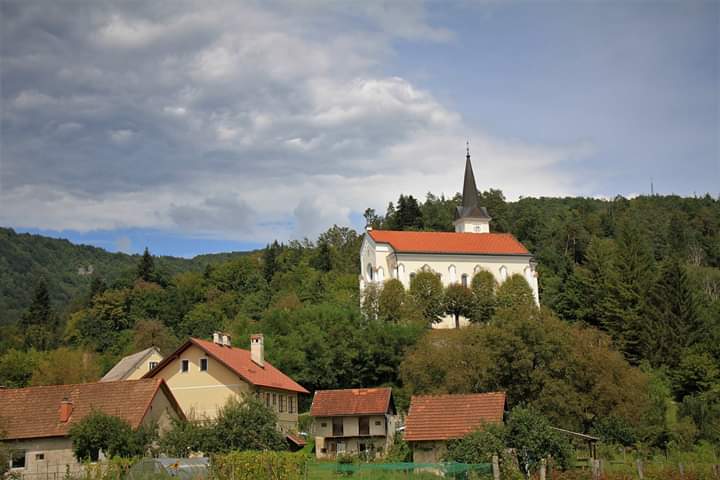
[203, 375]
[36, 420]
[353, 421]
[134, 366]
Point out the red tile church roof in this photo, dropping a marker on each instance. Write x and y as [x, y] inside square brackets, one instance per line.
[450, 242]
[444, 417]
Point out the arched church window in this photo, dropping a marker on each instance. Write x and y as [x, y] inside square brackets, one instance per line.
[370, 272]
[452, 271]
[380, 274]
[412, 277]
[503, 273]
[401, 272]
[464, 280]
[477, 269]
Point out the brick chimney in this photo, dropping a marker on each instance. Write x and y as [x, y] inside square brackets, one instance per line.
[66, 408]
[257, 349]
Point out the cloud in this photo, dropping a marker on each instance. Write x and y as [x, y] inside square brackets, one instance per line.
[231, 120]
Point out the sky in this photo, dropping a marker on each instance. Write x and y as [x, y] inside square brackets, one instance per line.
[205, 126]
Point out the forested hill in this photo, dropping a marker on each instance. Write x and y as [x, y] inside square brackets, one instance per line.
[68, 269]
[626, 344]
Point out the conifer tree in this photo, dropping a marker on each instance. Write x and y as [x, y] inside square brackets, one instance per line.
[673, 322]
[270, 260]
[39, 321]
[635, 271]
[146, 267]
[323, 257]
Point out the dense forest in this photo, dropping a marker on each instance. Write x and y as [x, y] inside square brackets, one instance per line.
[625, 345]
[69, 268]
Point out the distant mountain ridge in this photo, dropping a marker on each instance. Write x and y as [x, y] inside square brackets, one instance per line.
[68, 268]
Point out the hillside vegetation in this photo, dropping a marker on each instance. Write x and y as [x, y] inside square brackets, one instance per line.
[68, 268]
[625, 346]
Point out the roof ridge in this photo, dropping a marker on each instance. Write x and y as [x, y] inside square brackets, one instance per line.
[96, 382]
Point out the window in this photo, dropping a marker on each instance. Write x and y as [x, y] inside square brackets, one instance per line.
[503, 273]
[370, 272]
[39, 457]
[412, 277]
[378, 423]
[184, 366]
[323, 424]
[291, 404]
[337, 427]
[274, 400]
[452, 273]
[464, 279]
[203, 364]
[476, 228]
[152, 365]
[380, 274]
[364, 426]
[17, 459]
[282, 403]
[267, 400]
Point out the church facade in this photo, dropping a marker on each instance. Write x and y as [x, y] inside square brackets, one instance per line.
[454, 256]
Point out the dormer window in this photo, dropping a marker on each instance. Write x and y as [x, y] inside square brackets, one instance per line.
[152, 365]
[476, 228]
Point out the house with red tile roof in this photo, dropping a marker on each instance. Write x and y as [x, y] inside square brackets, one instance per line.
[432, 420]
[203, 375]
[454, 256]
[35, 421]
[353, 421]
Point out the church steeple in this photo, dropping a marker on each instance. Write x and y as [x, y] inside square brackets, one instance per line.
[470, 216]
[470, 197]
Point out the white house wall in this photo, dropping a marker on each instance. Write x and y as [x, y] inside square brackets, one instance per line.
[381, 257]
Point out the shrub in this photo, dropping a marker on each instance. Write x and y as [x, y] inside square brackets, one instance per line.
[113, 435]
[254, 465]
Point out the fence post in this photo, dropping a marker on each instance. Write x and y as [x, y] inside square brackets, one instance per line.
[640, 469]
[496, 467]
[543, 468]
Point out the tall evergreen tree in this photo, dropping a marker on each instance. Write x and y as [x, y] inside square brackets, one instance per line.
[39, 321]
[146, 267]
[673, 322]
[635, 270]
[323, 257]
[270, 260]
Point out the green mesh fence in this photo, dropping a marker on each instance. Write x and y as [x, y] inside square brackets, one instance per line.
[398, 470]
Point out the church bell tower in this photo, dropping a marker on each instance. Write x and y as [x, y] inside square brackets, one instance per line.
[470, 217]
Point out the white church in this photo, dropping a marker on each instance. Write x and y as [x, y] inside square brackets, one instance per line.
[454, 256]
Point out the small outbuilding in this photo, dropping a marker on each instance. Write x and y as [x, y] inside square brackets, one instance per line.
[433, 420]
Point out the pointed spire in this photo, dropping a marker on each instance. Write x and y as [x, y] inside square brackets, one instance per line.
[470, 197]
[470, 207]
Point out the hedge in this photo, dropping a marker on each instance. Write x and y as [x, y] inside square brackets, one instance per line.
[253, 465]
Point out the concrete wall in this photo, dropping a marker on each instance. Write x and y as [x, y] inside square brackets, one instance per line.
[351, 438]
[428, 452]
[287, 420]
[143, 367]
[57, 457]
